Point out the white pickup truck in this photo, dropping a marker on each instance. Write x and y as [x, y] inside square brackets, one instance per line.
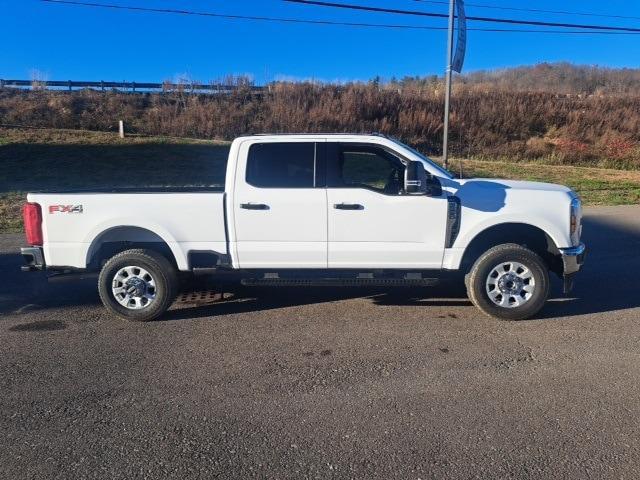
[315, 209]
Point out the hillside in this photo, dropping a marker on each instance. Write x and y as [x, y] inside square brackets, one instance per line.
[493, 117]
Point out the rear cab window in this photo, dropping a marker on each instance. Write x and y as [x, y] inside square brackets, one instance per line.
[283, 165]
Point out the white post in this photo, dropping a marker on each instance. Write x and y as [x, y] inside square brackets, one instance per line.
[447, 93]
[121, 128]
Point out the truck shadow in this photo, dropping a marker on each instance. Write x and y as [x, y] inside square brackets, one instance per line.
[483, 196]
[246, 300]
[22, 292]
[607, 282]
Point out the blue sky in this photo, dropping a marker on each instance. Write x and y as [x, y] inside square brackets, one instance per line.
[80, 43]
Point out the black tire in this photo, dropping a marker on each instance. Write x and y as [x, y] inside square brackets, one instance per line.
[162, 271]
[477, 279]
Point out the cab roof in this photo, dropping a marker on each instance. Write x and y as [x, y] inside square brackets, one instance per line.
[361, 137]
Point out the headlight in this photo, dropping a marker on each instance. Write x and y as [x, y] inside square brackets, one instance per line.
[575, 220]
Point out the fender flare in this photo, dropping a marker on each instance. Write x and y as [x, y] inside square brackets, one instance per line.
[156, 229]
[465, 238]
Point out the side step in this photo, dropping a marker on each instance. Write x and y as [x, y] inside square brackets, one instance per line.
[340, 282]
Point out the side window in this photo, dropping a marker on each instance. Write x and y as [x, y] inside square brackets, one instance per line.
[281, 165]
[371, 168]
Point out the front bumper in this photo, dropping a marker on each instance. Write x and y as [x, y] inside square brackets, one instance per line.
[33, 258]
[572, 260]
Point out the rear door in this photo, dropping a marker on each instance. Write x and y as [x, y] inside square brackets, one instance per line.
[280, 205]
[372, 223]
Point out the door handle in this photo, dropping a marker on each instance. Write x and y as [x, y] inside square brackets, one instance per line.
[254, 206]
[348, 206]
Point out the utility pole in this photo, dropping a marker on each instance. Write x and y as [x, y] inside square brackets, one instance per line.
[447, 93]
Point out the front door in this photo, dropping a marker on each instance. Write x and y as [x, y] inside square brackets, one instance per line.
[372, 222]
[280, 207]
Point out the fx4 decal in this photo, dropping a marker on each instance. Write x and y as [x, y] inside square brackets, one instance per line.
[65, 209]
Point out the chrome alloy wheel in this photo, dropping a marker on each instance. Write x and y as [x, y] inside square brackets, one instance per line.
[133, 287]
[510, 284]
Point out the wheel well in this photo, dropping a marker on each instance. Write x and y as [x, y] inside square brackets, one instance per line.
[528, 236]
[119, 239]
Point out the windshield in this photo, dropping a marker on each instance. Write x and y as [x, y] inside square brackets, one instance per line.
[426, 159]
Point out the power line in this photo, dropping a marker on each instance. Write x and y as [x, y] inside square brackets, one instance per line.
[479, 19]
[317, 22]
[233, 17]
[534, 10]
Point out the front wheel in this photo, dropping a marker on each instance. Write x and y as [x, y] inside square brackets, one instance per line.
[138, 284]
[509, 282]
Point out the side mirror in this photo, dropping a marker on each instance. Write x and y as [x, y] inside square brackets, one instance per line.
[415, 179]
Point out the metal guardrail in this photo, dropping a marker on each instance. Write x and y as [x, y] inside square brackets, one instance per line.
[132, 86]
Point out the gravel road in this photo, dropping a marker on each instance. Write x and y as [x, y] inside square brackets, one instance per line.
[326, 383]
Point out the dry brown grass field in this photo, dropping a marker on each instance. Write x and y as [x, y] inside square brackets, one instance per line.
[598, 129]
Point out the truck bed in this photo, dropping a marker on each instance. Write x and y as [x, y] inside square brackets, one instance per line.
[185, 219]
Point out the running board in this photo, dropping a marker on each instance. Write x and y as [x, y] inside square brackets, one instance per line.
[340, 282]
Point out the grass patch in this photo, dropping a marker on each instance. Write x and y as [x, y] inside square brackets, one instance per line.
[44, 159]
[61, 159]
[10, 211]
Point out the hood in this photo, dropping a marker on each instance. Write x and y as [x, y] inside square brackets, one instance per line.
[492, 195]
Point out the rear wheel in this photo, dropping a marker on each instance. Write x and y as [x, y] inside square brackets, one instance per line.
[138, 285]
[509, 282]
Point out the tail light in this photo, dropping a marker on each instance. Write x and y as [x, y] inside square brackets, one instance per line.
[32, 216]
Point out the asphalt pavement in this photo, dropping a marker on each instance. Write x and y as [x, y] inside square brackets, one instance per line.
[326, 383]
